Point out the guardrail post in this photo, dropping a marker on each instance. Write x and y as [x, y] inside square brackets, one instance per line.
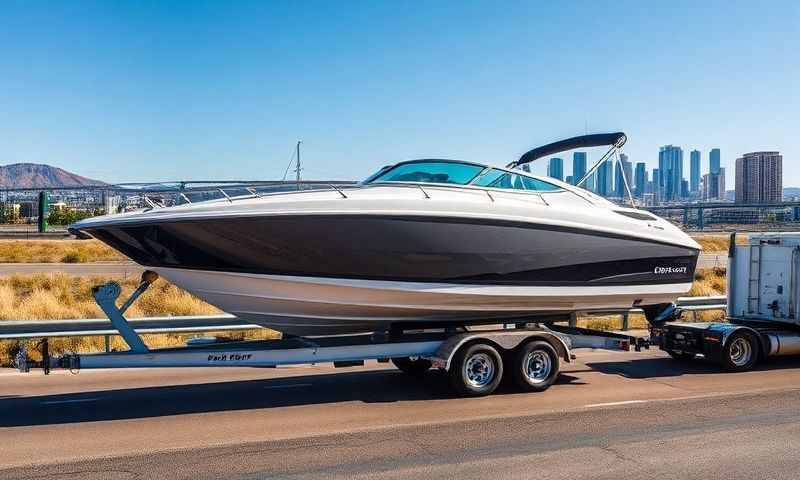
[108, 343]
[573, 319]
[625, 318]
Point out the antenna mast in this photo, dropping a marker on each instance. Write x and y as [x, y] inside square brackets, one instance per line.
[297, 166]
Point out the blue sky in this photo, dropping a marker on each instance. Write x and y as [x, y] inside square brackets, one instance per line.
[156, 90]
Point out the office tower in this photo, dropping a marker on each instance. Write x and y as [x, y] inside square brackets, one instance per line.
[759, 177]
[714, 186]
[590, 183]
[578, 165]
[694, 172]
[670, 166]
[605, 179]
[570, 180]
[623, 166]
[640, 179]
[555, 168]
[656, 188]
[713, 160]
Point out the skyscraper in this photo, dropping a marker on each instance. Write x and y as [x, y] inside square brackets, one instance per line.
[605, 179]
[759, 177]
[578, 165]
[713, 160]
[694, 172]
[623, 166]
[714, 186]
[555, 168]
[670, 167]
[640, 179]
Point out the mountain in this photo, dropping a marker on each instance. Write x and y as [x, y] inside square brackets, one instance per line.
[34, 175]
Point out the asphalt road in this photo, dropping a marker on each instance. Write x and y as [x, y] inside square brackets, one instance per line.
[612, 415]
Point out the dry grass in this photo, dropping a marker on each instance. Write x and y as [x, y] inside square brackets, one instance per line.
[59, 296]
[718, 243]
[56, 251]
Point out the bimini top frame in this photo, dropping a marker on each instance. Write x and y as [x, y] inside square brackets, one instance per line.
[614, 140]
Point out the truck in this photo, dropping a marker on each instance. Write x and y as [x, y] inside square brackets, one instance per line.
[762, 308]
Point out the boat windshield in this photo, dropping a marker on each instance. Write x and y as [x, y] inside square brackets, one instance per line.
[429, 171]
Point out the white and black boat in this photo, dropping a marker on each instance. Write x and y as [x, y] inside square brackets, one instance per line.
[420, 242]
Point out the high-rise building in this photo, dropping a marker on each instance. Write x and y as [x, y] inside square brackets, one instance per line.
[640, 179]
[714, 186]
[694, 172]
[670, 167]
[623, 167]
[605, 179]
[591, 182]
[578, 165]
[713, 160]
[759, 177]
[570, 180]
[555, 168]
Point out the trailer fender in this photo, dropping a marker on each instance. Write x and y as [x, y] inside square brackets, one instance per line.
[503, 341]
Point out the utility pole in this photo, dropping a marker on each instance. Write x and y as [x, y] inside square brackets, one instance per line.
[297, 167]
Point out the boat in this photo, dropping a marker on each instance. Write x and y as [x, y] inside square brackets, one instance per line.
[419, 243]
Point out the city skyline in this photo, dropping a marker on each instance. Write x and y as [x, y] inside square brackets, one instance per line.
[758, 177]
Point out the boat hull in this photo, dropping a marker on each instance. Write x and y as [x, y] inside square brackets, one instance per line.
[314, 306]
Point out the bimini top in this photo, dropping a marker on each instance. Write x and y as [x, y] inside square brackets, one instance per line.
[616, 140]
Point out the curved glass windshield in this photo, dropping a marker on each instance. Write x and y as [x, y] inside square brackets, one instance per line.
[496, 178]
[429, 172]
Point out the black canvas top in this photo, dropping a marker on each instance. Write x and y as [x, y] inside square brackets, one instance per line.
[583, 141]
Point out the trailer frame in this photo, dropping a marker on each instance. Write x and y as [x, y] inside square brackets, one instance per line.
[535, 349]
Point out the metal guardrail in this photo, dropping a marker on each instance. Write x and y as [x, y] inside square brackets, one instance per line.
[10, 330]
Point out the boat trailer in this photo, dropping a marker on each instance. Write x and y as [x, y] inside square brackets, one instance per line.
[474, 359]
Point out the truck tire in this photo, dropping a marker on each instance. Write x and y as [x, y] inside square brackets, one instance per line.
[740, 352]
[535, 366]
[413, 366]
[476, 370]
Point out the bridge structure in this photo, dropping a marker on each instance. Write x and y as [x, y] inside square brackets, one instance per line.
[700, 215]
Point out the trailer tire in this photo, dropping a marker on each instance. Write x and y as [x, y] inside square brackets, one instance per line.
[413, 366]
[476, 370]
[740, 352]
[535, 366]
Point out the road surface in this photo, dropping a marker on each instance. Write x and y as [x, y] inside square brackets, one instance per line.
[612, 415]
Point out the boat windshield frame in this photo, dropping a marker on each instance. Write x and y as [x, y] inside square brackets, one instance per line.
[374, 178]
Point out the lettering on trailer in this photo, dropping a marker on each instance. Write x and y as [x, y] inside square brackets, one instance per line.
[663, 270]
[229, 357]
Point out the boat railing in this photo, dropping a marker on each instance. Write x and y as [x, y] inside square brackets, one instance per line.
[233, 193]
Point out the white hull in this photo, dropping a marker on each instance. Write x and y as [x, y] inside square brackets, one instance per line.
[308, 305]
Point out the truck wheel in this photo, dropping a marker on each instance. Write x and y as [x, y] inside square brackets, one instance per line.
[740, 353]
[412, 365]
[476, 370]
[680, 355]
[535, 366]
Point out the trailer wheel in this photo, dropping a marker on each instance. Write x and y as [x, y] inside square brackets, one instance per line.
[535, 366]
[476, 370]
[740, 353]
[680, 355]
[412, 365]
